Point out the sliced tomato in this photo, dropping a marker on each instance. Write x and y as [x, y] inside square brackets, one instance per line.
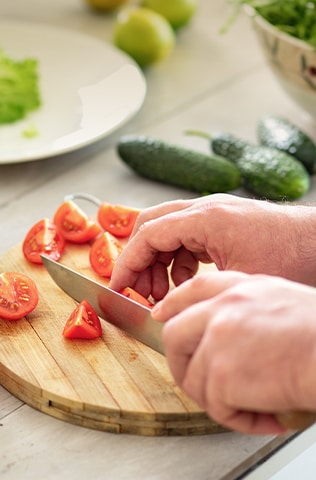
[83, 323]
[74, 224]
[137, 297]
[43, 237]
[103, 254]
[119, 220]
[18, 295]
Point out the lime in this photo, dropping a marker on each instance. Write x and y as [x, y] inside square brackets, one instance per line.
[177, 12]
[143, 34]
[105, 5]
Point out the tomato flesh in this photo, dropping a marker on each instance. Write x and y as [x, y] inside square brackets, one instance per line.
[103, 254]
[18, 295]
[83, 323]
[43, 237]
[119, 220]
[137, 297]
[73, 223]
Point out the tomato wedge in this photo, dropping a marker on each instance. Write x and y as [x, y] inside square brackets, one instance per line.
[18, 295]
[104, 253]
[43, 237]
[74, 224]
[119, 220]
[83, 323]
[137, 297]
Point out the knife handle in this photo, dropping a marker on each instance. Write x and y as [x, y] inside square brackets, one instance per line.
[296, 420]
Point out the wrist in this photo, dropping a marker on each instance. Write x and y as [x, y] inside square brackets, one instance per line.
[301, 248]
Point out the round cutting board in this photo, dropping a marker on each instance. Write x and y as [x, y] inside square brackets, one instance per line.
[113, 383]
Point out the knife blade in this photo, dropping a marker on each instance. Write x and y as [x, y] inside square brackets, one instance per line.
[136, 321]
[121, 311]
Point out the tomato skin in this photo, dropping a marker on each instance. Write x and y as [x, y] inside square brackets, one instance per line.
[118, 220]
[137, 297]
[73, 223]
[43, 237]
[83, 323]
[103, 254]
[18, 295]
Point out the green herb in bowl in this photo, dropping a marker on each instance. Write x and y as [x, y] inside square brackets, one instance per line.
[295, 17]
[286, 32]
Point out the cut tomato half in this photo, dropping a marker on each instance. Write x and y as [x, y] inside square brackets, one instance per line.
[137, 297]
[103, 254]
[119, 220]
[74, 224]
[43, 237]
[83, 323]
[18, 295]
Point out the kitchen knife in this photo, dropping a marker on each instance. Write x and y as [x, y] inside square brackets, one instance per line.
[124, 313]
[136, 321]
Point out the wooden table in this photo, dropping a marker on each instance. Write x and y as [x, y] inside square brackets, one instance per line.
[212, 82]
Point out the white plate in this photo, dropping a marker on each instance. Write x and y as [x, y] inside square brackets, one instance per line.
[88, 89]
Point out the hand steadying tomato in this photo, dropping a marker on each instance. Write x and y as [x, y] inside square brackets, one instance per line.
[43, 237]
[74, 224]
[119, 220]
[18, 295]
[83, 323]
[137, 297]
[104, 253]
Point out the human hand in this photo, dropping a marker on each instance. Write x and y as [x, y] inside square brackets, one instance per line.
[242, 346]
[235, 233]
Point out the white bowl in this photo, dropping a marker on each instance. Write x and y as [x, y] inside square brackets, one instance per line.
[293, 61]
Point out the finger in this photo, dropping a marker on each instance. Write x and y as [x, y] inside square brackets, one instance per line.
[181, 337]
[249, 422]
[154, 280]
[185, 265]
[197, 289]
[135, 258]
[164, 234]
[159, 211]
[160, 280]
[144, 282]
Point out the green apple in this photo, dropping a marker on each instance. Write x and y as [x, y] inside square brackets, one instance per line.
[143, 34]
[177, 12]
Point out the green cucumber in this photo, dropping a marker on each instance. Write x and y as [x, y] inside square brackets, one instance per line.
[267, 172]
[277, 132]
[168, 163]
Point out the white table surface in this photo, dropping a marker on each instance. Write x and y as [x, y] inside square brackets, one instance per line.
[211, 82]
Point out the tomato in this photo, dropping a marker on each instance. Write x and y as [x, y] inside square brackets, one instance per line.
[73, 223]
[104, 253]
[18, 295]
[117, 219]
[83, 323]
[137, 297]
[43, 237]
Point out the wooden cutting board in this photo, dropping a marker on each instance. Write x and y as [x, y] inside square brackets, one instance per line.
[113, 383]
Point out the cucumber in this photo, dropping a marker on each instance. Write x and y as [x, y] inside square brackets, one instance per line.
[178, 166]
[267, 172]
[277, 132]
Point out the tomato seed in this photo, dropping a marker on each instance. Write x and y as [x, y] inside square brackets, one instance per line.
[24, 298]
